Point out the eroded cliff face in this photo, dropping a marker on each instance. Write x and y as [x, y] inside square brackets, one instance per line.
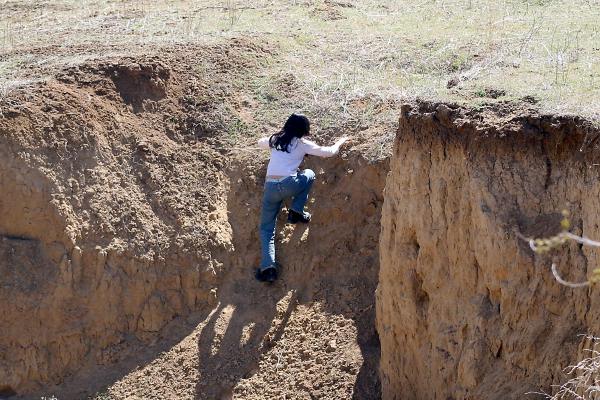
[108, 228]
[464, 309]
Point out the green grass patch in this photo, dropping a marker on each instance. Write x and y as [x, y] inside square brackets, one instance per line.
[337, 50]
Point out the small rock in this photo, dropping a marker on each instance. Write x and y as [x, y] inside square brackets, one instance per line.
[452, 82]
[331, 346]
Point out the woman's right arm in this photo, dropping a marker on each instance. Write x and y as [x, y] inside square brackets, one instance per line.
[323, 151]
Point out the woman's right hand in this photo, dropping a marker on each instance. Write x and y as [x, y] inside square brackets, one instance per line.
[342, 140]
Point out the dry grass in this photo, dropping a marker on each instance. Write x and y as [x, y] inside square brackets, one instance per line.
[584, 383]
[342, 50]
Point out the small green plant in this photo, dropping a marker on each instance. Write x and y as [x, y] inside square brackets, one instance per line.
[458, 62]
[236, 129]
[480, 93]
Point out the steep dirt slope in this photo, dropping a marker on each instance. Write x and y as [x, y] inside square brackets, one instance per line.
[464, 310]
[310, 335]
[128, 224]
[112, 214]
[107, 232]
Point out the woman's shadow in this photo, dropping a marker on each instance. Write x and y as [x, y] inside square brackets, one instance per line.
[237, 333]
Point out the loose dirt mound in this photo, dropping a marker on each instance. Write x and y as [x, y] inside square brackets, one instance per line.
[109, 203]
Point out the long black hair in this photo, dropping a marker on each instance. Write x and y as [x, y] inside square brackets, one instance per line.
[296, 126]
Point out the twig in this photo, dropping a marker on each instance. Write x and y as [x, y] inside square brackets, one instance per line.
[278, 365]
[582, 240]
[567, 283]
[544, 245]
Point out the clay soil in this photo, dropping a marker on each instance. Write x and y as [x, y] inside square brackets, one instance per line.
[129, 213]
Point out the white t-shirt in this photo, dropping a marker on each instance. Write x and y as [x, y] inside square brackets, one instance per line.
[285, 164]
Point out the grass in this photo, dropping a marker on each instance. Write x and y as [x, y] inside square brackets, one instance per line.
[585, 376]
[339, 50]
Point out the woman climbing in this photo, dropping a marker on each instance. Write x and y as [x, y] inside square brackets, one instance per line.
[283, 181]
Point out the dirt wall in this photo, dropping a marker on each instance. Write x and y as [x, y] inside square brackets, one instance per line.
[464, 310]
[108, 228]
[313, 331]
[128, 230]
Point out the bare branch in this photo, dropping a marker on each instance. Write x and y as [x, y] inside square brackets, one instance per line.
[567, 283]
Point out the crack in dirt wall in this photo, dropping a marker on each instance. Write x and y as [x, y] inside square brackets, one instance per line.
[329, 342]
[464, 310]
[309, 335]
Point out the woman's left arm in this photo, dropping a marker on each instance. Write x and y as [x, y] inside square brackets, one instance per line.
[314, 149]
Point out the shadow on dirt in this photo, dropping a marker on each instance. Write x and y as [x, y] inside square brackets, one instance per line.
[91, 382]
[236, 335]
[251, 319]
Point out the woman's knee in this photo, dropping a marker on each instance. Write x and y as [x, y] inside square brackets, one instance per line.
[310, 174]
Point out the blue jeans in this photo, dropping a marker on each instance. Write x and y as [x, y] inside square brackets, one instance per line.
[296, 187]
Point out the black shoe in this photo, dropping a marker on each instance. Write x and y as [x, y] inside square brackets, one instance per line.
[294, 217]
[268, 274]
